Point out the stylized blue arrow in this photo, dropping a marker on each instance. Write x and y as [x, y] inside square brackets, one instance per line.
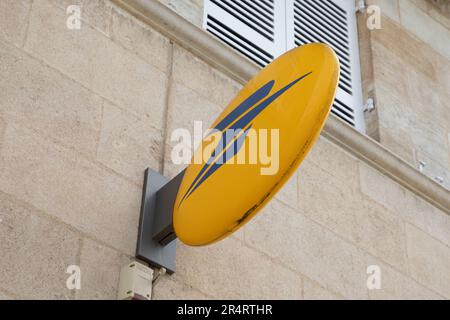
[212, 165]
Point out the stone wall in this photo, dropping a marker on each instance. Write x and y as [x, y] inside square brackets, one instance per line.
[410, 81]
[84, 112]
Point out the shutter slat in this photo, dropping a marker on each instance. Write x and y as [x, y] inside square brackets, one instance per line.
[319, 38]
[315, 7]
[343, 105]
[257, 16]
[248, 26]
[319, 27]
[344, 60]
[232, 38]
[337, 8]
[245, 18]
[336, 112]
[340, 17]
[267, 15]
[267, 3]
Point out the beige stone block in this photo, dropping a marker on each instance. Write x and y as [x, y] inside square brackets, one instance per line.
[100, 269]
[170, 169]
[43, 99]
[191, 10]
[98, 63]
[2, 130]
[388, 8]
[14, 20]
[398, 286]
[406, 47]
[372, 124]
[65, 185]
[288, 194]
[389, 68]
[96, 13]
[423, 95]
[431, 141]
[202, 78]
[405, 88]
[403, 129]
[313, 291]
[342, 210]
[230, 270]
[395, 116]
[429, 261]
[140, 39]
[436, 223]
[365, 48]
[433, 169]
[449, 142]
[409, 207]
[306, 247]
[169, 289]
[129, 144]
[5, 296]
[334, 160]
[388, 193]
[405, 119]
[36, 251]
[425, 27]
[185, 108]
[381, 233]
[438, 10]
[443, 76]
[367, 71]
[398, 142]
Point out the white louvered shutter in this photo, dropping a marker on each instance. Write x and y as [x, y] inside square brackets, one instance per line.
[264, 29]
[332, 22]
[255, 28]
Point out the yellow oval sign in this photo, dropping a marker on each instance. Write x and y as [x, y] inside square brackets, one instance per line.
[256, 144]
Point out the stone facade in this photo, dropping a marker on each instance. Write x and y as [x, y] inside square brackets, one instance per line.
[410, 81]
[84, 112]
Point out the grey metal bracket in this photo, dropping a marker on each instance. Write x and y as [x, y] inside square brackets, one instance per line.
[156, 243]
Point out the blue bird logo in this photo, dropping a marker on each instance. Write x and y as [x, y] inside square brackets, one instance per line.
[233, 122]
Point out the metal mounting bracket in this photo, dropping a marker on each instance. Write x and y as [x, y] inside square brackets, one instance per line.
[369, 106]
[360, 6]
[156, 243]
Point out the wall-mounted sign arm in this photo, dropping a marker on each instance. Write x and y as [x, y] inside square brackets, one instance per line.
[156, 243]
